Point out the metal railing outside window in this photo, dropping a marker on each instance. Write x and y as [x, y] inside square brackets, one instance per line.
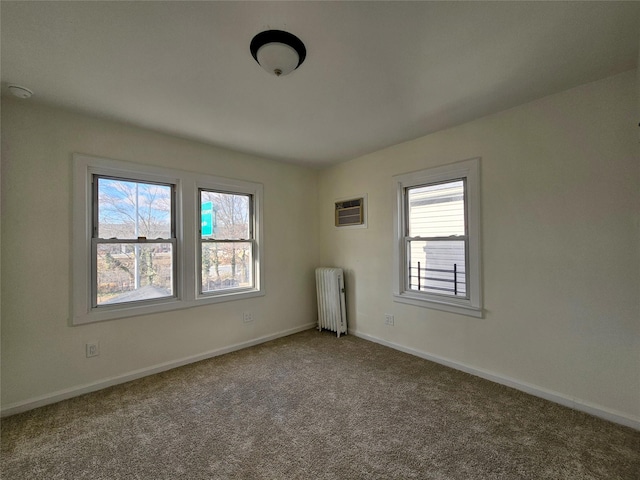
[421, 279]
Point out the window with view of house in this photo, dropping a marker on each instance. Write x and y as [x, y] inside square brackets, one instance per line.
[149, 239]
[437, 233]
[437, 238]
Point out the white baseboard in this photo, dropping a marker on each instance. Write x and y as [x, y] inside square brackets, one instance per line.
[574, 403]
[67, 393]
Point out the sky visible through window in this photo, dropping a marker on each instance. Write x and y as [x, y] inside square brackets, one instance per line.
[131, 271]
[128, 209]
[226, 248]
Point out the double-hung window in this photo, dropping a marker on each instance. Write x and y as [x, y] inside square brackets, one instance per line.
[133, 246]
[148, 239]
[227, 242]
[437, 238]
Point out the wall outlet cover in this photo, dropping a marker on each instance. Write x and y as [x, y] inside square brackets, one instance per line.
[92, 349]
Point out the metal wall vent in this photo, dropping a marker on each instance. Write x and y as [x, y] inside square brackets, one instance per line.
[350, 212]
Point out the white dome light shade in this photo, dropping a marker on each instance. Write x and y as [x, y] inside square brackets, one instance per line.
[278, 52]
[278, 58]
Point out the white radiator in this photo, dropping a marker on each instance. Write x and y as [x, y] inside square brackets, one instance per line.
[332, 313]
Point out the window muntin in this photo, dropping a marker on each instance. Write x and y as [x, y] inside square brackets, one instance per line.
[437, 223]
[133, 242]
[227, 241]
[436, 243]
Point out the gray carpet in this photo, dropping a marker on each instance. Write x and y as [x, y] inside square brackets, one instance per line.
[311, 406]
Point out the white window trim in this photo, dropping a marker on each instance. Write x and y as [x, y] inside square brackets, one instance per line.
[233, 186]
[187, 217]
[472, 306]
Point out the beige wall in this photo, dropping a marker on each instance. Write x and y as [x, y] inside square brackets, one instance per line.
[41, 354]
[560, 186]
[560, 181]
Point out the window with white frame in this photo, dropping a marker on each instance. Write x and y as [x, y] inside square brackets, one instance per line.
[134, 241]
[227, 242]
[149, 239]
[437, 238]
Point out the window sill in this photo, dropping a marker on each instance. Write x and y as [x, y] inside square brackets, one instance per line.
[115, 312]
[444, 306]
[204, 299]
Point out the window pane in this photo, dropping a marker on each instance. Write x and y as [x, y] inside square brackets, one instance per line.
[437, 267]
[226, 265]
[129, 209]
[129, 272]
[436, 210]
[225, 216]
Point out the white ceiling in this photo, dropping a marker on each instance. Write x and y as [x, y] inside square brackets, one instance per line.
[376, 73]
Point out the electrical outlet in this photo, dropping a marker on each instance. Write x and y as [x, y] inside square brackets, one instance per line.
[389, 320]
[93, 349]
[247, 317]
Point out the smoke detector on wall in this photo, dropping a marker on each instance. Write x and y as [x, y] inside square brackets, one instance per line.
[20, 92]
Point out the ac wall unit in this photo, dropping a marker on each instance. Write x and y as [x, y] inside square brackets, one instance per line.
[350, 212]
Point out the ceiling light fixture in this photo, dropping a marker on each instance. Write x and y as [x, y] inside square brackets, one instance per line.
[278, 52]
